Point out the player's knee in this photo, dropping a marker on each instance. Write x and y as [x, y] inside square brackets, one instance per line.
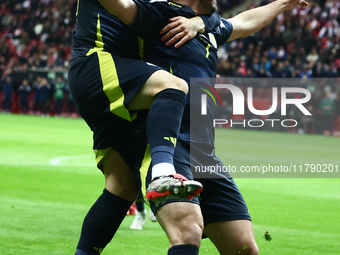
[182, 222]
[250, 248]
[190, 233]
[126, 191]
[162, 80]
[253, 250]
[191, 229]
[182, 85]
[119, 178]
[173, 82]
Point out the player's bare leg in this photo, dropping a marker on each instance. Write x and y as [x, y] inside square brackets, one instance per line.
[165, 95]
[157, 82]
[108, 212]
[233, 237]
[183, 224]
[119, 178]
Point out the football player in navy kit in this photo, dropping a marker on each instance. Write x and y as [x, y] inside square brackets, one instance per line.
[226, 218]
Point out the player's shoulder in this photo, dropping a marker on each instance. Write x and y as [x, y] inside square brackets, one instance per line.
[164, 3]
[225, 24]
[169, 6]
[152, 8]
[158, 2]
[224, 29]
[155, 14]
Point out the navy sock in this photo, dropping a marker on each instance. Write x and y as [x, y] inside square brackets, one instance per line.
[163, 124]
[184, 249]
[101, 223]
[140, 206]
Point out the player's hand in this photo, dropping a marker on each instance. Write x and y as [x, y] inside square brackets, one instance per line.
[291, 4]
[181, 30]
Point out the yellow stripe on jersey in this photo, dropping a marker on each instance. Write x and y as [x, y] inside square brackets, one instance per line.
[77, 8]
[99, 42]
[180, 6]
[111, 86]
[143, 171]
[77, 11]
[141, 47]
[207, 48]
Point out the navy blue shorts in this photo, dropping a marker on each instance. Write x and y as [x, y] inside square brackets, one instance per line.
[220, 200]
[102, 85]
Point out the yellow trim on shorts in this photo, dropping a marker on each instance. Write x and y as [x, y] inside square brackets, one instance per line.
[141, 47]
[143, 171]
[100, 154]
[111, 86]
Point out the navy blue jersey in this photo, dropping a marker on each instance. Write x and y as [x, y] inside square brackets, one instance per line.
[96, 29]
[197, 58]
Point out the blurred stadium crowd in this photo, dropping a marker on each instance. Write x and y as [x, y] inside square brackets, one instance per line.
[303, 43]
[35, 48]
[35, 34]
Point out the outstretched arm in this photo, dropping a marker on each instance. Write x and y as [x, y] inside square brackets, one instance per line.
[249, 22]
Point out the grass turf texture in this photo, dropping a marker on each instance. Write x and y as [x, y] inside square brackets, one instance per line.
[48, 181]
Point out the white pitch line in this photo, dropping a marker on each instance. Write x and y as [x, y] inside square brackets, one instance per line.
[58, 160]
[23, 164]
[54, 162]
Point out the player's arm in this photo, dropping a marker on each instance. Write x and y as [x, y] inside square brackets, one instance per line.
[125, 10]
[182, 29]
[251, 21]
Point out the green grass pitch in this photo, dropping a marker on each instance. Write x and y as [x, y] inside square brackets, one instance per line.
[48, 181]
